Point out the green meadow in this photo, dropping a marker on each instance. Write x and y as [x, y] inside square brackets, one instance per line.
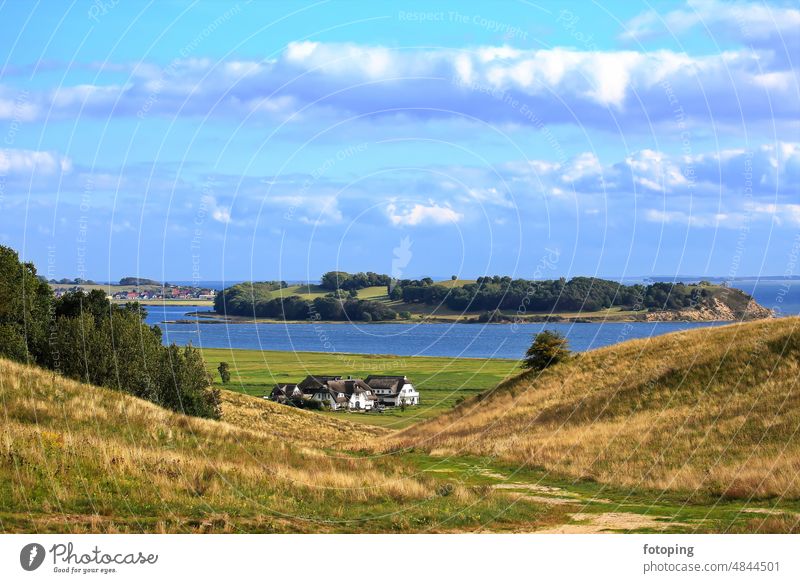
[442, 382]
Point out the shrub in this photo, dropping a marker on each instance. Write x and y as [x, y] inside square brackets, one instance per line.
[224, 372]
[548, 348]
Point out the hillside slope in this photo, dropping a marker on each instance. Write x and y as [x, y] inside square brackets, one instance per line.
[74, 457]
[713, 411]
[78, 458]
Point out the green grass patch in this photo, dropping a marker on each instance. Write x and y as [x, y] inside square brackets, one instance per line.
[442, 382]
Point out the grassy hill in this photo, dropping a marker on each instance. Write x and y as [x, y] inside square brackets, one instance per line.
[592, 446]
[78, 458]
[709, 411]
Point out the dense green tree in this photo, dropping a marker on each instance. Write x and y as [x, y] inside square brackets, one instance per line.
[184, 383]
[548, 348]
[72, 304]
[25, 310]
[83, 336]
[241, 299]
[334, 280]
[328, 308]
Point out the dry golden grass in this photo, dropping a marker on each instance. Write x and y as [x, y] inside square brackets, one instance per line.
[75, 453]
[713, 410]
[295, 425]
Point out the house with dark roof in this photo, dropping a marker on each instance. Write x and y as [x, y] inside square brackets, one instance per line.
[359, 394]
[337, 393]
[283, 392]
[314, 382]
[393, 390]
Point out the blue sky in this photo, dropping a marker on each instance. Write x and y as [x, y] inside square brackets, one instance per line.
[280, 140]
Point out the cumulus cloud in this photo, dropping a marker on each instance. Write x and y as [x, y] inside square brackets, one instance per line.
[717, 188]
[494, 84]
[422, 214]
[780, 213]
[769, 169]
[14, 161]
[754, 23]
[221, 214]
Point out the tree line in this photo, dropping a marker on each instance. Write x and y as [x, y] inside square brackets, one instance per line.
[489, 295]
[85, 337]
[256, 299]
[334, 280]
[578, 294]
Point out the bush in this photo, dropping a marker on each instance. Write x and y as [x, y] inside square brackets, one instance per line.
[548, 348]
[405, 315]
[224, 372]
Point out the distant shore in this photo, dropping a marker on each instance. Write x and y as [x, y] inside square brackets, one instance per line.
[642, 317]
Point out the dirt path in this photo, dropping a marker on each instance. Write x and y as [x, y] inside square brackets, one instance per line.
[610, 522]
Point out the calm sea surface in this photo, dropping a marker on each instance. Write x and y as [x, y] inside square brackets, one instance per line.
[463, 340]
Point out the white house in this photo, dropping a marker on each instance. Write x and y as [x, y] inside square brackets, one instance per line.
[334, 400]
[351, 394]
[359, 395]
[393, 390]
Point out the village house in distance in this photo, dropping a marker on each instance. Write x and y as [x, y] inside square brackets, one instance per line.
[338, 394]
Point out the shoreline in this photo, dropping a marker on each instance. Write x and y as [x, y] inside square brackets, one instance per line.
[214, 318]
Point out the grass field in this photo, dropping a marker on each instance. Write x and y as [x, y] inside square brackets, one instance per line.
[308, 292]
[377, 292]
[441, 381]
[713, 411]
[455, 282]
[76, 458]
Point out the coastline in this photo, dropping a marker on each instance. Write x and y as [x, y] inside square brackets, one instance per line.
[587, 318]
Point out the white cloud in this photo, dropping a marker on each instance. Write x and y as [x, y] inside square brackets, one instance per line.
[219, 213]
[16, 108]
[586, 165]
[780, 213]
[769, 169]
[495, 84]
[28, 161]
[698, 218]
[420, 214]
[753, 21]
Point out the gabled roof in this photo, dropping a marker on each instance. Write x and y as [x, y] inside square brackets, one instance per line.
[386, 382]
[283, 388]
[349, 386]
[313, 382]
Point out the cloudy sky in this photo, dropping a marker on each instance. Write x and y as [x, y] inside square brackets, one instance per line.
[265, 140]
